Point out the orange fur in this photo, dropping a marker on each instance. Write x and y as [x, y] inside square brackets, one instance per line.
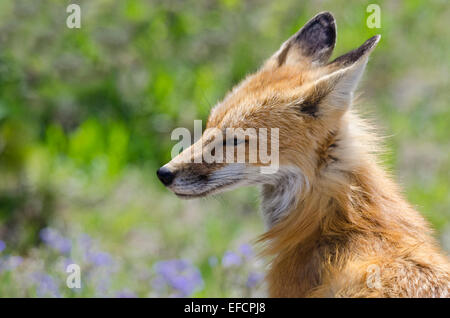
[350, 232]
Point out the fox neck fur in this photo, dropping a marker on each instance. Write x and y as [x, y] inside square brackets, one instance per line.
[344, 223]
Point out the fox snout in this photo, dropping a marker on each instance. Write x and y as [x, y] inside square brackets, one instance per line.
[165, 175]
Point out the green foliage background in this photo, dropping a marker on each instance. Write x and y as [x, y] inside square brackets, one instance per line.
[86, 116]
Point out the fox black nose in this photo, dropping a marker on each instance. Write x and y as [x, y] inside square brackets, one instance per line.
[165, 175]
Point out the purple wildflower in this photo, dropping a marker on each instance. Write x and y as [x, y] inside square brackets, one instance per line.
[52, 238]
[45, 285]
[246, 250]
[254, 279]
[126, 294]
[231, 259]
[67, 262]
[180, 275]
[99, 258]
[102, 284]
[92, 255]
[2, 246]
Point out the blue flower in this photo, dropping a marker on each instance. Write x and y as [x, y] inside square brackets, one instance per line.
[102, 284]
[126, 294]
[2, 246]
[52, 238]
[180, 275]
[45, 285]
[67, 262]
[254, 279]
[100, 258]
[231, 259]
[246, 250]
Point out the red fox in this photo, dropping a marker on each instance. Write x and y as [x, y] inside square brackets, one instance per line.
[337, 225]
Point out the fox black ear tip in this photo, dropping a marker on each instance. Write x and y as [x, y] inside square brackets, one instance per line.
[372, 42]
[375, 39]
[325, 15]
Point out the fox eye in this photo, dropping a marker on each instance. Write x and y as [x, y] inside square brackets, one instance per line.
[235, 141]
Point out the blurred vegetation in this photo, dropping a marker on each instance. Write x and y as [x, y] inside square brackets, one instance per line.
[86, 116]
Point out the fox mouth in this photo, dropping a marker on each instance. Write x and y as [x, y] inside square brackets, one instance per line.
[206, 192]
[191, 196]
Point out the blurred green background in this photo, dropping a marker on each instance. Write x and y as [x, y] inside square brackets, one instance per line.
[86, 116]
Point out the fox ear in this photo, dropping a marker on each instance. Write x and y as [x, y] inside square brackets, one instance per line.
[313, 43]
[356, 55]
[334, 91]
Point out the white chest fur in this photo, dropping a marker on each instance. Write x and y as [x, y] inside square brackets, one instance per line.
[281, 194]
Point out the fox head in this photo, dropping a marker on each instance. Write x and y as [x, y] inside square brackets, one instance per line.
[296, 93]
